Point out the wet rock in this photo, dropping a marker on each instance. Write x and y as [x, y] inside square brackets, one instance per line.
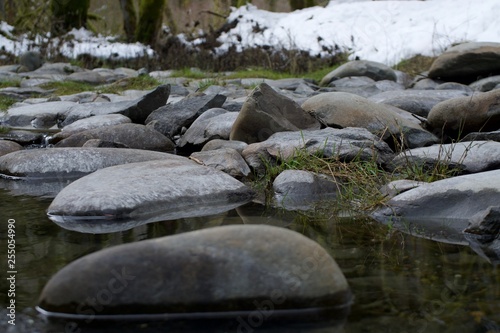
[218, 143]
[138, 193]
[479, 112]
[170, 119]
[227, 160]
[399, 186]
[23, 137]
[342, 110]
[419, 102]
[443, 209]
[64, 163]
[467, 157]
[31, 60]
[486, 84]
[7, 146]
[346, 144]
[23, 115]
[298, 189]
[210, 271]
[131, 135]
[44, 120]
[212, 124]
[371, 69]
[137, 110]
[266, 112]
[466, 62]
[483, 234]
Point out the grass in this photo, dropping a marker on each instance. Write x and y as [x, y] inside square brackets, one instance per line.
[415, 65]
[6, 102]
[9, 83]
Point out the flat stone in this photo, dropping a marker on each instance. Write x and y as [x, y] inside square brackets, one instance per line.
[218, 143]
[23, 137]
[62, 163]
[23, 115]
[227, 160]
[213, 271]
[371, 69]
[96, 122]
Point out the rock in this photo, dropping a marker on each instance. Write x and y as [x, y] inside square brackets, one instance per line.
[298, 189]
[131, 135]
[212, 124]
[227, 160]
[399, 186]
[443, 209]
[23, 137]
[342, 110]
[44, 120]
[95, 122]
[170, 119]
[466, 157]
[483, 136]
[455, 86]
[61, 69]
[66, 163]
[425, 84]
[266, 112]
[466, 62]
[480, 112]
[138, 193]
[371, 69]
[89, 77]
[31, 60]
[218, 143]
[289, 84]
[214, 271]
[22, 93]
[7, 146]
[486, 84]
[483, 234]
[96, 143]
[23, 115]
[346, 144]
[419, 102]
[137, 110]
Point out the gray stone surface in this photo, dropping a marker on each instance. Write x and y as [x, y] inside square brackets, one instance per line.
[138, 193]
[61, 163]
[342, 110]
[228, 268]
[227, 160]
[95, 122]
[23, 137]
[266, 112]
[23, 115]
[31, 60]
[399, 186]
[483, 136]
[7, 146]
[218, 143]
[486, 84]
[371, 69]
[131, 135]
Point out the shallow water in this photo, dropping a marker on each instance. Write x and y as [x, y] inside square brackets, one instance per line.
[401, 283]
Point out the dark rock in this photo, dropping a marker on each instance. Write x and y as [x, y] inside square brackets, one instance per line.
[371, 69]
[23, 137]
[483, 136]
[218, 143]
[7, 146]
[227, 160]
[131, 135]
[207, 272]
[31, 60]
[266, 112]
[170, 119]
[96, 143]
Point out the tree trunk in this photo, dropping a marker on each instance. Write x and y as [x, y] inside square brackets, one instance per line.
[300, 4]
[68, 14]
[129, 19]
[150, 19]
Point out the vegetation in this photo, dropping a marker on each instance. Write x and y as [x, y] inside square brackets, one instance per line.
[415, 65]
[5, 103]
[68, 14]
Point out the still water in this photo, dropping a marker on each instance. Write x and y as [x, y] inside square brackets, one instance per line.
[401, 283]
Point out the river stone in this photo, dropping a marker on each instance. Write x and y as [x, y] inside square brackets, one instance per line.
[371, 69]
[212, 124]
[131, 135]
[215, 270]
[23, 115]
[89, 77]
[455, 86]
[266, 112]
[96, 143]
[466, 62]
[419, 102]
[337, 109]
[137, 110]
[23, 137]
[218, 143]
[483, 136]
[398, 186]
[347, 144]
[96, 122]
[145, 192]
[227, 160]
[7, 146]
[64, 163]
[31, 60]
[443, 209]
[486, 84]
[170, 119]
[483, 234]
[58, 68]
[299, 189]
[462, 115]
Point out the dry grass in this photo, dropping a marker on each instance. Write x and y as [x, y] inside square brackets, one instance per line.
[415, 65]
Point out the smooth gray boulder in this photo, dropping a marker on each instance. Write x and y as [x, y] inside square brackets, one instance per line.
[131, 135]
[463, 157]
[337, 109]
[419, 102]
[467, 62]
[227, 160]
[462, 115]
[212, 124]
[170, 119]
[137, 110]
[31, 60]
[363, 86]
[62, 163]
[23, 115]
[347, 144]
[121, 197]
[374, 70]
[266, 112]
[396, 187]
[218, 143]
[486, 84]
[215, 271]
[91, 123]
[23, 137]
[7, 146]
[300, 190]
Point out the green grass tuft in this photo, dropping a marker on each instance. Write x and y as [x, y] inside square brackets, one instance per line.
[6, 103]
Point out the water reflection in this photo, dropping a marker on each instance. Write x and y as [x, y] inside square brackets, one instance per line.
[401, 283]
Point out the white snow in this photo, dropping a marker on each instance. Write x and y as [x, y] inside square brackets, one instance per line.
[383, 31]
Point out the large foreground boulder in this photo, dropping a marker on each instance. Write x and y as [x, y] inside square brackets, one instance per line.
[123, 196]
[215, 271]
